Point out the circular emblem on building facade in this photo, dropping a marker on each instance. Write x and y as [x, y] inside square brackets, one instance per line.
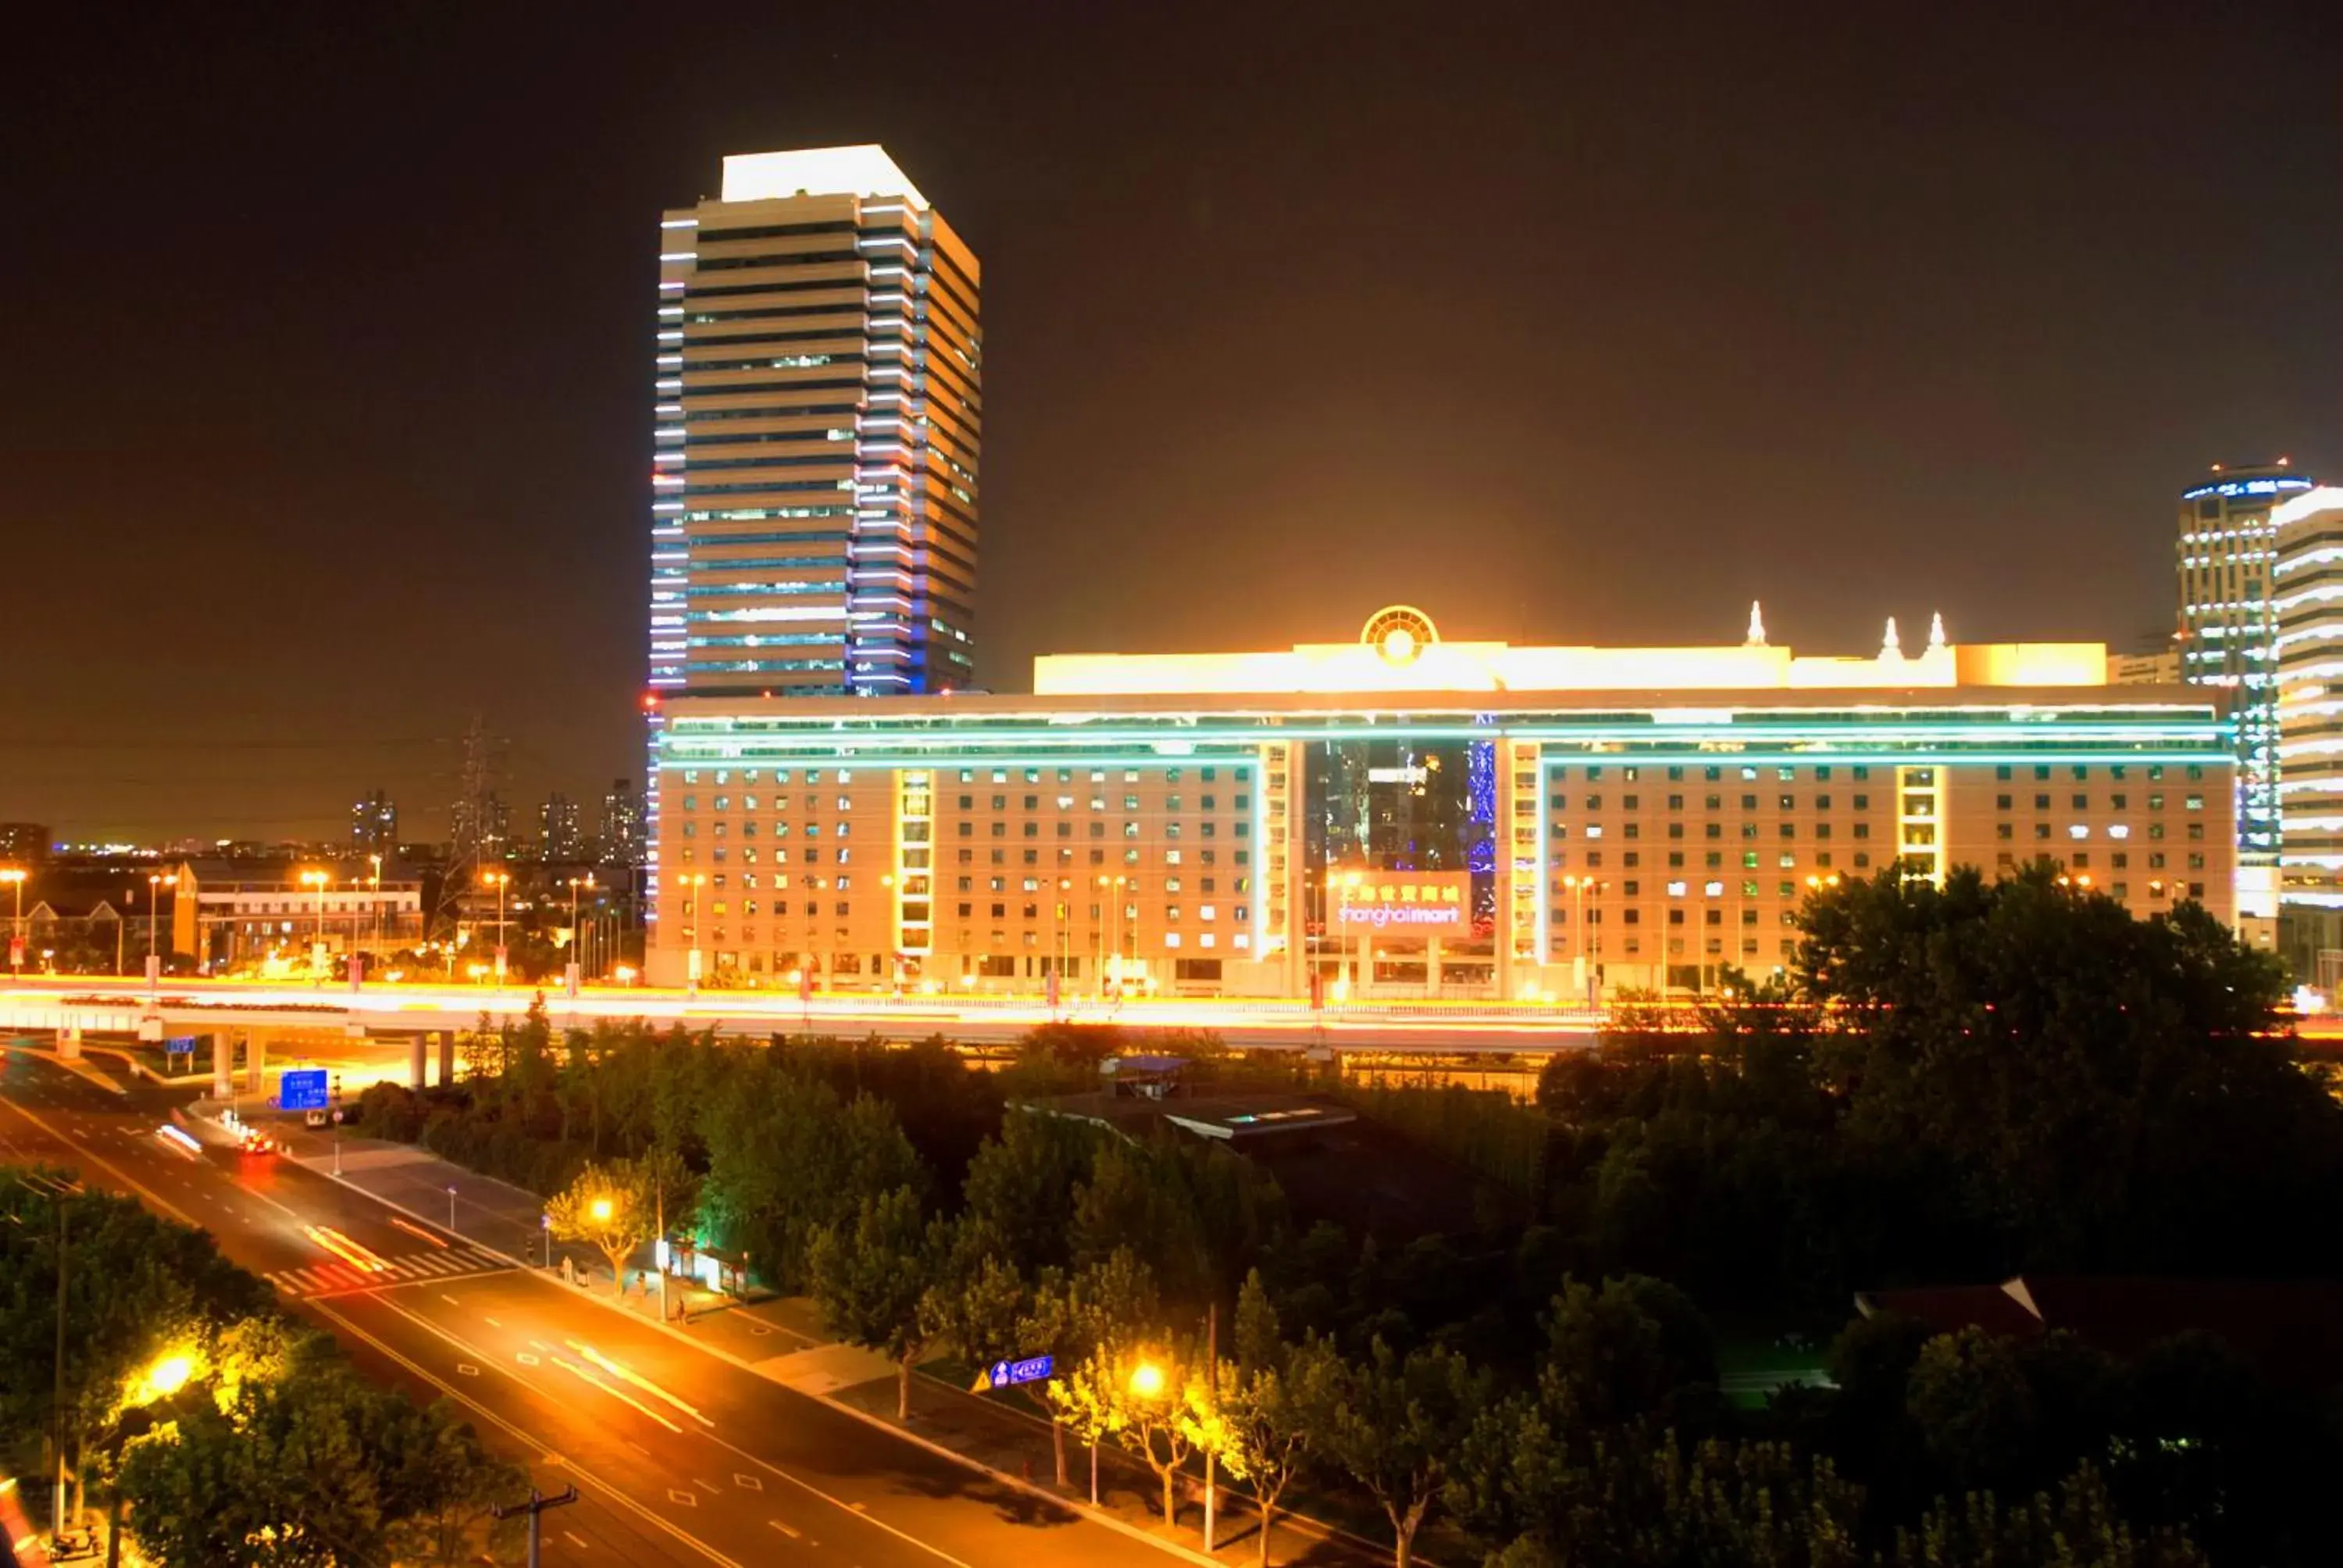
[1400, 634]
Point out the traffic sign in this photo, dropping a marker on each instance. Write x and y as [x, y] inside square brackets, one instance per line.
[1031, 1369]
[303, 1089]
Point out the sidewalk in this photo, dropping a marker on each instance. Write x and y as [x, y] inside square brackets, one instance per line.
[781, 1339]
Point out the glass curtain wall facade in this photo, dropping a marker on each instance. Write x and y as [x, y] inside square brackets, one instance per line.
[817, 435]
[2227, 549]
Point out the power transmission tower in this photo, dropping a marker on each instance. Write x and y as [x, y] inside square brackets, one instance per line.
[469, 824]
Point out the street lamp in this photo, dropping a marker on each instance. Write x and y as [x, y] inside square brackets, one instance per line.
[691, 882]
[1147, 1380]
[1346, 881]
[499, 880]
[16, 874]
[319, 879]
[601, 1211]
[576, 967]
[155, 883]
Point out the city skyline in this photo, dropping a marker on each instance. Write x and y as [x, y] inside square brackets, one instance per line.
[1982, 346]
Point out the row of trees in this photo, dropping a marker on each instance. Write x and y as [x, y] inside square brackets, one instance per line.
[1954, 1084]
[214, 1430]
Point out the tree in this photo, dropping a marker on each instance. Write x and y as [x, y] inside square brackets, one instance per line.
[1020, 1190]
[1071, 1317]
[872, 1281]
[1156, 1389]
[1395, 1425]
[1264, 1420]
[611, 1206]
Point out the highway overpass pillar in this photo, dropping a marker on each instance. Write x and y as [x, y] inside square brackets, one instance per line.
[69, 1040]
[447, 1056]
[414, 1048]
[223, 1065]
[255, 1061]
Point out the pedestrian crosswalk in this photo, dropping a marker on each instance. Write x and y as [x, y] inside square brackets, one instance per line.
[334, 1277]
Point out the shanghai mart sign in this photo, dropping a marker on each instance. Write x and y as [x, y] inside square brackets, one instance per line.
[1432, 901]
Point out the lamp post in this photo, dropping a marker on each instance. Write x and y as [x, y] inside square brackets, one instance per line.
[1346, 881]
[374, 886]
[499, 880]
[155, 883]
[576, 967]
[15, 875]
[319, 879]
[691, 884]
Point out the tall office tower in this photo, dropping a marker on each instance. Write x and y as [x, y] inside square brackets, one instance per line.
[560, 836]
[2225, 556]
[2307, 598]
[619, 841]
[374, 825]
[817, 442]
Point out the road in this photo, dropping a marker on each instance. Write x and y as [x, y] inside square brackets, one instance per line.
[679, 1456]
[114, 1002]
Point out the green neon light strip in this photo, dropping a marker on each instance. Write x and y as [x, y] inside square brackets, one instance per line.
[2182, 726]
[675, 758]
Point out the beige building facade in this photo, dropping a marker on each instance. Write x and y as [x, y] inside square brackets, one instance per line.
[1402, 817]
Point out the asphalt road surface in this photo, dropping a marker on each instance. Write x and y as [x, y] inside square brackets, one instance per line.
[678, 1456]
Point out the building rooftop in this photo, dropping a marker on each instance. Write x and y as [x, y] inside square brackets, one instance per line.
[864, 170]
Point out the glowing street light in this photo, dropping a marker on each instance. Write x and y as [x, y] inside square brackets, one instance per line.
[1147, 1380]
[155, 883]
[576, 966]
[319, 879]
[16, 874]
[160, 1379]
[601, 1209]
[499, 880]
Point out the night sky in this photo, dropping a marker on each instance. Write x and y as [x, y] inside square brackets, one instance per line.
[327, 341]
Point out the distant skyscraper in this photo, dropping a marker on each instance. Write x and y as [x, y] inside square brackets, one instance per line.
[2224, 552]
[817, 437]
[619, 841]
[374, 825]
[2307, 597]
[560, 836]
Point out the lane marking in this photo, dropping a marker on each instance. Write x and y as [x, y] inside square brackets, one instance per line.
[449, 1298]
[782, 1528]
[586, 1477]
[747, 1483]
[574, 1539]
[684, 1499]
[465, 1369]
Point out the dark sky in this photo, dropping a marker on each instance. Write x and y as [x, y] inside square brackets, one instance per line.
[327, 340]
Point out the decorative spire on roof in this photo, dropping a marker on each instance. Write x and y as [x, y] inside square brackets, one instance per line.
[1893, 645]
[1936, 632]
[1756, 625]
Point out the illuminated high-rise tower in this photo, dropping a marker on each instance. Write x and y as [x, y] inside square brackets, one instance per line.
[2226, 550]
[814, 515]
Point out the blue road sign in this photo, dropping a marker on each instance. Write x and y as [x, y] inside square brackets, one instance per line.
[1032, 1368]
[303, 1090]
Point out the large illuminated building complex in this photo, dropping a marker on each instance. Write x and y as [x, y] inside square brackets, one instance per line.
[816, 445]
[2307, 599]
[1401, 816]
[2225, 551]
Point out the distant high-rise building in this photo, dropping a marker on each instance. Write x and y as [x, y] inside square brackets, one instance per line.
[817, 439]
[374, 825]
[23, 843]
[560, 836]
[619, 841]
[2307, 598]
[2224, 552]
